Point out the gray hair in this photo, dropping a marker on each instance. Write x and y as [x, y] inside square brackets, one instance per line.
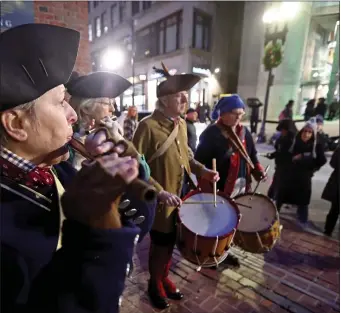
[161, 102]
[26, 107]
[84, 108]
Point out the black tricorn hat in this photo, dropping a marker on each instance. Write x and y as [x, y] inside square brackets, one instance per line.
[174, 83]
[98, 85]
[34, 58]
[72, 80]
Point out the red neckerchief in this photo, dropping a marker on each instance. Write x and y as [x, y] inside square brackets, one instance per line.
[36, 178]
[233, 169]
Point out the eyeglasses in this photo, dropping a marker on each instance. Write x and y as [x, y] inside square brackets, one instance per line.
[111, 102]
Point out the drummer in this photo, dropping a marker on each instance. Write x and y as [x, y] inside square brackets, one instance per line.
[235, 174]
[168, 168]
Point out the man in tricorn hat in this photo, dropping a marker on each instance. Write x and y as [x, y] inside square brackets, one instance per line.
[162, 138]
[93, 97]
[87, 273]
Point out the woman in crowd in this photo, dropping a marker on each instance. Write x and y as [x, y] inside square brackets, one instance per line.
[307, 158]
[282, 156]
[130, 123]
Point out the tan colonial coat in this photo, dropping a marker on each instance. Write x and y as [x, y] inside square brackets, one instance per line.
[168, 169]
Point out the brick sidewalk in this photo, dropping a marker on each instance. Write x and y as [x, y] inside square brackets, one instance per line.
[300, 275]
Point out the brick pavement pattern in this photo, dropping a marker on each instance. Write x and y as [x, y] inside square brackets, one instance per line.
[299, 275]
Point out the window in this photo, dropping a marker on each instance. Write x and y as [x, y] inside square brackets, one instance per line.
[169, 33]
[202, 26]
[123, 11]
[98, 27]
[114, 16]
[159, 38]
[90, 32]
[146, 5]
[104, 23]
[89, 6]
[145, 43]
[95, 4]
[135, 7]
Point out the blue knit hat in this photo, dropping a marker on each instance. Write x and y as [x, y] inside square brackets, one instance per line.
[227, 104]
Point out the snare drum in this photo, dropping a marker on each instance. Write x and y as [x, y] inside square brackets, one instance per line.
[205, 232]
[259, 227]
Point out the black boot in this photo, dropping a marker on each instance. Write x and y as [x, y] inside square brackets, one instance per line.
[157, 295]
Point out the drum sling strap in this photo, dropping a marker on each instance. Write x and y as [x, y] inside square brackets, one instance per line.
[165, 146]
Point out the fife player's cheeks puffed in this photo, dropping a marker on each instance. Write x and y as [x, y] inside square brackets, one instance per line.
[40, 134]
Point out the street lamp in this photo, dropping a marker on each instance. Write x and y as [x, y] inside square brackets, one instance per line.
[276, 28]
[112, 59]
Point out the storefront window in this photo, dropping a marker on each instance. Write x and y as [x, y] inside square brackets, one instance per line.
[139, 97]
[199, 94]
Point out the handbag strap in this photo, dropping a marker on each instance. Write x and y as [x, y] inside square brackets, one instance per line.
[164, 147]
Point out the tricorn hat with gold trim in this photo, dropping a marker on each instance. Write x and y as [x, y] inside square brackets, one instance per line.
[174, 83]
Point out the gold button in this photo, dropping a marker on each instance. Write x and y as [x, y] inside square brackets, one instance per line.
[178, 142]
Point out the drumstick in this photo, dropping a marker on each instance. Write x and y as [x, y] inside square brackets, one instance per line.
[219, 202]
[202, 202]
[254, 192]
[214, 168]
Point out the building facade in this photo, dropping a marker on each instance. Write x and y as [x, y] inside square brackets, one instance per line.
[181, 34]
[72, 14]
[310, 66]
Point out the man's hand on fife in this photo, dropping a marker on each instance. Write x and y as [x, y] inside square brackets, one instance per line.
[93, 196]
[169, 199]
[114, 128]
[98, 143]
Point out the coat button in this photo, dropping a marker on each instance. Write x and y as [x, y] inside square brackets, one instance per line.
[178, 142]
[128, 270]
[139, 219]
[136, 240]
[130, 212]
[124, 204]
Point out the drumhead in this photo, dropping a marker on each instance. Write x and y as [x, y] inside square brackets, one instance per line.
[206, 220]
[259, 217]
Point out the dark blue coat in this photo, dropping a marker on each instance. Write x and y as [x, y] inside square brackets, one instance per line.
[213, 144]
[86, 275]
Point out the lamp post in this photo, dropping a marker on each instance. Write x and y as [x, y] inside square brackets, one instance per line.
[276, 28]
